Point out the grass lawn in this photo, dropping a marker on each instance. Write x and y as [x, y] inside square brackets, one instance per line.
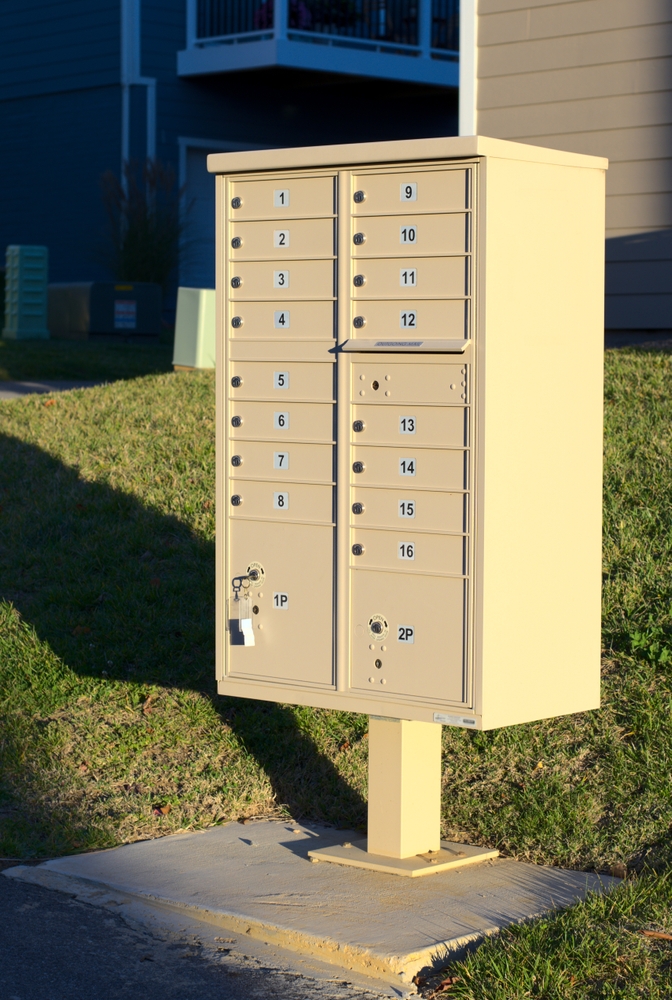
[85, 360]
[111, 731]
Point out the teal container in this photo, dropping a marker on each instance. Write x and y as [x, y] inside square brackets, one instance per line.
[26, 277]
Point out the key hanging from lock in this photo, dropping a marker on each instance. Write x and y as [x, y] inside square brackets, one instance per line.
[243, 607]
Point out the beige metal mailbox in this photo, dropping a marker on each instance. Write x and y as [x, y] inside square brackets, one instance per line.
[409, 443]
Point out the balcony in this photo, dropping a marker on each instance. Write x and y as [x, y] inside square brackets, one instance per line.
[413, 40]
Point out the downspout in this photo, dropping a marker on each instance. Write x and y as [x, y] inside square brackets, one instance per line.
[468, 96]
[131, 62]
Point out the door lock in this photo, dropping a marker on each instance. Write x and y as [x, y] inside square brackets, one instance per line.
[358, 426]
[236, 282]
[358, 508]
[236, 243]
[357, 549]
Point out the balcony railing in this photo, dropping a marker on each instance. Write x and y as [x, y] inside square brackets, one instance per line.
[395, 22]
[379, 30]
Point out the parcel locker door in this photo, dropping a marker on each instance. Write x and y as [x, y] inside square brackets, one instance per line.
[291, 602]
[408, 636]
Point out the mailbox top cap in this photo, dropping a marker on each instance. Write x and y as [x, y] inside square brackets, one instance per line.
[359, 153]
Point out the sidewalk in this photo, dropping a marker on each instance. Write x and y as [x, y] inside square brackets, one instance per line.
[15, 390]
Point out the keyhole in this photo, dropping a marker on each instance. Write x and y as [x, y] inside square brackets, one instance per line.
[379, 664]
[374, 385]
[255, 609]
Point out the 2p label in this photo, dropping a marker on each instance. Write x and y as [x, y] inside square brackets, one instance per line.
[405, 633]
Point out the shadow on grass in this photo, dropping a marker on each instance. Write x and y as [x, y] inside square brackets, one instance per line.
[121, 592]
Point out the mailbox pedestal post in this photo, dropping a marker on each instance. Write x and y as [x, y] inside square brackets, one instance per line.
[404, 818]
[404, 787]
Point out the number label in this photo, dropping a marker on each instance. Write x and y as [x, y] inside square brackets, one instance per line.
[281, 279]
[406, 550]
[281, 198]
[281, 422]
[408, 234]
[408, 277]
[405, 633]
[281, 601]
[281, 318]
[407, 425]
[280, 459]
[408, 192]
[281, 380]
[406, 466]
[407, 320]
[281, 238]
[281, 502]
[407, 508]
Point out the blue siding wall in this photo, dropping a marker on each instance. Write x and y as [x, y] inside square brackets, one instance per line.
[53, 150]
[47, 46]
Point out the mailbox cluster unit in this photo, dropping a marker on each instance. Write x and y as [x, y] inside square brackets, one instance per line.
[410, 345]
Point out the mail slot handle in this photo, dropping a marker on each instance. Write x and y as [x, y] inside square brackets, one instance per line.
[409, 346]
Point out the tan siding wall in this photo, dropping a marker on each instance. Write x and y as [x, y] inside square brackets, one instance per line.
[595, 76]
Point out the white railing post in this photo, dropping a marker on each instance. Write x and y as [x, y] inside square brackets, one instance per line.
[192, 22]
[425, 28]
[281, 17]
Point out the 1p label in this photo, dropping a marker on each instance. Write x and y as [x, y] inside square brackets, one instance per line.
[281, 601]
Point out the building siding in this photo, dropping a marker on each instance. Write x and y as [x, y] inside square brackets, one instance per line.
[594, 76]
[53, 150]
[50, 46]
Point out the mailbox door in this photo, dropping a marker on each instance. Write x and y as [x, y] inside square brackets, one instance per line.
[292, 626]
[411, 277]
[414, 190]
[422, 651]
[394, 235]
[429, 319]
[285, 319]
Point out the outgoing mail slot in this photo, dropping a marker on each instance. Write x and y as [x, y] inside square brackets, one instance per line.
[282, 501]
[403, 235]
[282, 422]
[289, 320]
[283, 198]
[411, 277]
[291, 596]
[385, 382]
[282, 280]
[414, 509]
[292, 380]
[428, 319]
[282, 240]
[408, 551]
[417, 468]
[408, 425]
[274, 460]
[417, 190]
[423, 654]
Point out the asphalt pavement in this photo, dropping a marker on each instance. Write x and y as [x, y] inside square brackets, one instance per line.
[54, 947]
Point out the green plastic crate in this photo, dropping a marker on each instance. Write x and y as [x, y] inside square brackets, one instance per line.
[26, 277]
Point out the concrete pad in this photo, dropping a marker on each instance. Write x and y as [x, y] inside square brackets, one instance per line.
[15, 390]
[256, 880]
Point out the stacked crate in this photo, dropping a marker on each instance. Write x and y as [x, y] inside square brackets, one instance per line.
[26, 277]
